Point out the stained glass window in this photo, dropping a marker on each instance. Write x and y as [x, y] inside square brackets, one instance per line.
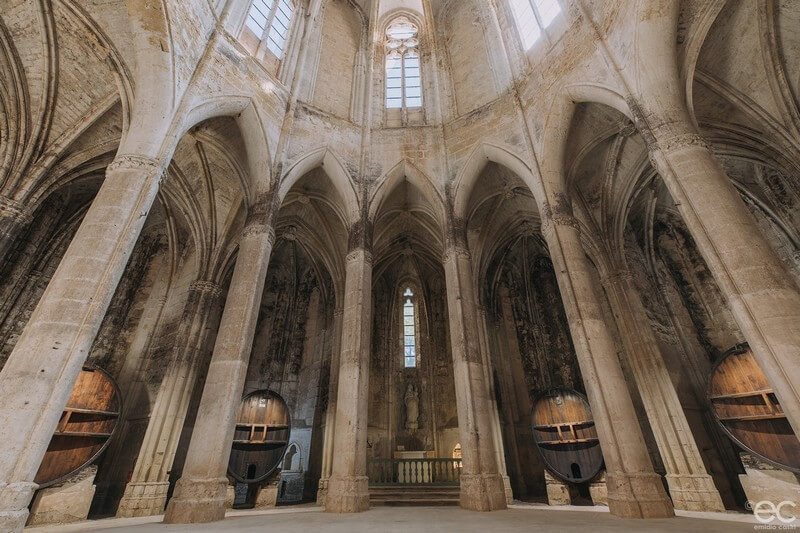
[409, 329]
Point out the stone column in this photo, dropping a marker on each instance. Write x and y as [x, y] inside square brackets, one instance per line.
[690, 486]
[146, 492]
[348, 486]
[482, 487]
[497, 429]
[764, 298]
[634, 489]
[201, 491]
[330, 411]
[37, 380]
[13, 217]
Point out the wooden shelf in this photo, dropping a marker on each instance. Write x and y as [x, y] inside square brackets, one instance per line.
[569, 441]
[742, 394]
[270, 427]
[261, 442]
[565, 424]
[746, 418]
[81, 434]
[80, 411]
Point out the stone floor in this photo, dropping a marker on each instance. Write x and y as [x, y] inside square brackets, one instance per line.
[521, 517]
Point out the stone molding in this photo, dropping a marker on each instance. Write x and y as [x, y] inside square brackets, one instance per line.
[359, 254]
[618, 277]
[253, 229]
[15, 211]
[667, 143]
[135, 162]
[456, 251]
[206, 287]
[549, 223]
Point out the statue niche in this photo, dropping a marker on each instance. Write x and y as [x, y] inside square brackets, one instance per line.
[412, 407]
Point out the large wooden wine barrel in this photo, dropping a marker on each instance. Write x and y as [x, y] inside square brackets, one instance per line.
[85, 428]
[749, 412]
[261, 437]
[564, 431]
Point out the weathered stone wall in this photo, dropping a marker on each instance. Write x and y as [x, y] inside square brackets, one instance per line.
[340, 43]
[291, 356]
[466, 45]
[433, 375]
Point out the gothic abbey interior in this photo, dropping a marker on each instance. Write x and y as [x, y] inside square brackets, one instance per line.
[509, 259]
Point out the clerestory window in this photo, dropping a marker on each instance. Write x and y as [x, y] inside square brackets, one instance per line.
[533, 17]
[403, 74]
[270, 21]
[409, 329]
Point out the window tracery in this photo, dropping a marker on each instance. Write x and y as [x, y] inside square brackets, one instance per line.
[403, 66]
[409, 329]
[270, 21]
[533, 17]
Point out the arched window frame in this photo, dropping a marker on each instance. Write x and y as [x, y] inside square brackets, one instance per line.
[533, 18]
[402, 65]
[271, 22]
[409, 327]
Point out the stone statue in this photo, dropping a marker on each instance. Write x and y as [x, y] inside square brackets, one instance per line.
[412, 407]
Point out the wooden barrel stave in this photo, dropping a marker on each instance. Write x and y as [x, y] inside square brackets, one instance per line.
[564, 432]
[261, 436]
[749, 412]
[85, 428]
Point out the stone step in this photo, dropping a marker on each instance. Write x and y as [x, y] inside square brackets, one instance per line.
[414, 496]
[453, 502]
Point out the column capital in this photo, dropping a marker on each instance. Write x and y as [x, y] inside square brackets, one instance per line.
[260, 216]
[253, 229]
[202, 286]
[620, 276]
[667, 141]
[135, 162]
[357, 255]
[359, 237]
[552, 220]
[455, 251]
[666, 132]
[456, 245]
[14, 211]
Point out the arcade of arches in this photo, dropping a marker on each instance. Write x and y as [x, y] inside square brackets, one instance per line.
[475, 252]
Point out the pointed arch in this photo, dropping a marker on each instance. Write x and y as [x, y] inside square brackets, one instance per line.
[335, 169]
[481, 156]
[556, 130]
[154, 78]
[406, 171]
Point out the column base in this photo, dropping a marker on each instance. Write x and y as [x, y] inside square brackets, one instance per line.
[322, 491]
[347, 494]
[598, 490]
[508, 490]
[197, 501]
[143, 499]
[483, 492]
[14, 500]
[267, 497]
[694, 493]
[558, 492]
[66, 502]
[640, 495]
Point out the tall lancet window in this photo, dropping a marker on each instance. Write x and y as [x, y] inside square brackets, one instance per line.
[403, 76]
[409, 329]
[270, 21]
[533, 17]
